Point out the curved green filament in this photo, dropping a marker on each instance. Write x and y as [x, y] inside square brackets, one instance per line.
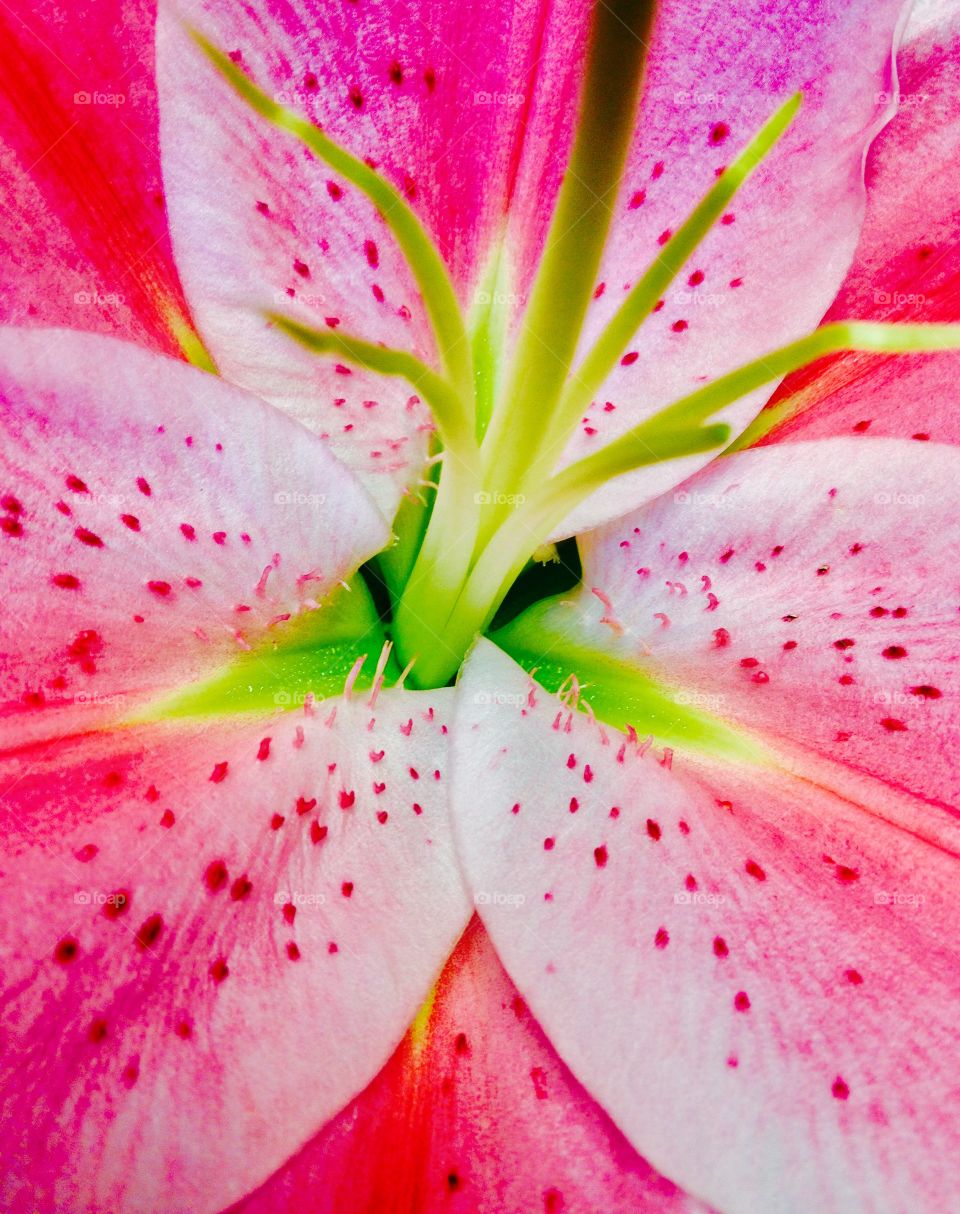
[613, 341]
[425, 262]
[566, 276]
[864, 336]
[453, 421]
[494, 507]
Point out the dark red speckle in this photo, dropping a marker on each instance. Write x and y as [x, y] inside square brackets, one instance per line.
[241, 888]
[66, 950]
[215, 876]
[97, 1030]
[149, 932]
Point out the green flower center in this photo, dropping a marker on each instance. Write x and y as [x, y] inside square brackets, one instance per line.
[496, 495]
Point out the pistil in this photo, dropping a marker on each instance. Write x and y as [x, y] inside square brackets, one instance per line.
[495, 505]
[565, 279]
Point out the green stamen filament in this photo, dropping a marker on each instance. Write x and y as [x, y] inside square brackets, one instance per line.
[494, 507]
[424, 260]
[505, 556]
[566, 275]
[590, 375]
[453, 421]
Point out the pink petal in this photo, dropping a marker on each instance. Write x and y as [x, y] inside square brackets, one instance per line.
[474, 1110]
[438, 103]
[755, 978]
[192, 990]
[766, 276]
[154, 522]
[83, 233]
[808, 601]
[905, 269]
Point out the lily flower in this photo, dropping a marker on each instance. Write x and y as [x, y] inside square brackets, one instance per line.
[458, 285]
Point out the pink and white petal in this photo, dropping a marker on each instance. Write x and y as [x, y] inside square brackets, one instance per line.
[755, 978]
[474, 1108]
[767, 273]
[808, 594]
[907, 267]
[431, 99]
[83, 231]
[154, 524]
[214, 936]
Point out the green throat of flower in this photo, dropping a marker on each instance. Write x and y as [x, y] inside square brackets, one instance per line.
[501, 426]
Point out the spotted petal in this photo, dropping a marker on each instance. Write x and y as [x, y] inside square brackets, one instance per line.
[754, 976]
[437, 100]
[156, 524]
[474, 1108]
[905, 268]
[803, 594]
[218, 927]
[770, 268]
